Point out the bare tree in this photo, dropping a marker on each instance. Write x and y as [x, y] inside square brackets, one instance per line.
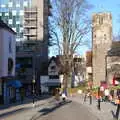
[69, 26]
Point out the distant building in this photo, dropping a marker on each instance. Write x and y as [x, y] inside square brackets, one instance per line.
[101, 43]
[52, 81]
[113, 64]
[89, 73]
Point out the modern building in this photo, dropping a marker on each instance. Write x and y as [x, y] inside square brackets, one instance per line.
[12, 13]
[101, 43]
[34, 48]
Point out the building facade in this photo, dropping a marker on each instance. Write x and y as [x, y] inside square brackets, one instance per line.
[113, 64]
[7, 60]
[89, 66]
[12, 13]
[36, 39]
[101, 43]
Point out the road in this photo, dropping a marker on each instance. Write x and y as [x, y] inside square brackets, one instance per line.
[51, 111]
[67, 111]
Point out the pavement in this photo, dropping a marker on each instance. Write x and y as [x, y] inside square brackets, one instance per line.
[25, 110]
[106, 112]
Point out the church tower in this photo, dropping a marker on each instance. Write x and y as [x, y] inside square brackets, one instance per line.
[101, 43]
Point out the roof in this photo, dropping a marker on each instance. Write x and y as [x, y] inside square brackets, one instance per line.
[55, 59]
[5, 26]
[115, 49]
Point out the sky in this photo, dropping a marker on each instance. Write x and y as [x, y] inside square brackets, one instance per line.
[112, 6]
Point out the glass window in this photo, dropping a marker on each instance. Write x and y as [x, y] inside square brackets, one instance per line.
[18, 5]
[7, 14]
[10, 4]
[10, 21]
[17, 22]
[3, 5]
[25, 4]
[21, 12]
[14, 12]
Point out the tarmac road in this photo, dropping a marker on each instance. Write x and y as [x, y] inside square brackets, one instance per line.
[67, 111]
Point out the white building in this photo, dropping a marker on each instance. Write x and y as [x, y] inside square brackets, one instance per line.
[7, 58]
[52, 81]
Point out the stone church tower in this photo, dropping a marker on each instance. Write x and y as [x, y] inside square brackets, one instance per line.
[101, 43]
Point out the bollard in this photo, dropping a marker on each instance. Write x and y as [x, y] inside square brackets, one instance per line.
[90, 99]
[117, 112]
[98, 106]
[85, 97]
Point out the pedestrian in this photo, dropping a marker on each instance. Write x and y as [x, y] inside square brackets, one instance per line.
[106, 93]
[63, 97]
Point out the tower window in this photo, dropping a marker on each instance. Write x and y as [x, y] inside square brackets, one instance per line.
[101, 20]
[105, 37]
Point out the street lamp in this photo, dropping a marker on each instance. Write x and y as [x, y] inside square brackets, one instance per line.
[33, 90]
[106, 69]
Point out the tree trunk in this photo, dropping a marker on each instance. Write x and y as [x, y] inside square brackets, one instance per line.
[65, 83]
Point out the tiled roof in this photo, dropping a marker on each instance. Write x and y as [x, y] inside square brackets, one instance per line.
[115, 49]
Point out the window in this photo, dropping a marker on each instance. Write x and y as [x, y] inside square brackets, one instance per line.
[52, 67]
[25, 4]
[10, 45]
[10, 21]
[105, 37]
[14, 12]
[10, 4]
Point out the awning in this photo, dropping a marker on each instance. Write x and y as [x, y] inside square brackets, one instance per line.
[14, 83]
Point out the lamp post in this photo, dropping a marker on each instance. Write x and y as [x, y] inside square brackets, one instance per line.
[33, 91]
[106, 68]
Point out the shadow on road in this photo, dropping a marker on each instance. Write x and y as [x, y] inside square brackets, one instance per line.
[27, 100]
[46, 111]
[13, 112]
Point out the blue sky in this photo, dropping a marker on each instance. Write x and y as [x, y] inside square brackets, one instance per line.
[112, 6]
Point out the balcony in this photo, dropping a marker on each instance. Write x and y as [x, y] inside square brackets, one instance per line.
[30, 10]
[30, 18]
[30, 26]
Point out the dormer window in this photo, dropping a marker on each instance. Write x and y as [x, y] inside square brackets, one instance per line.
[52, 67]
